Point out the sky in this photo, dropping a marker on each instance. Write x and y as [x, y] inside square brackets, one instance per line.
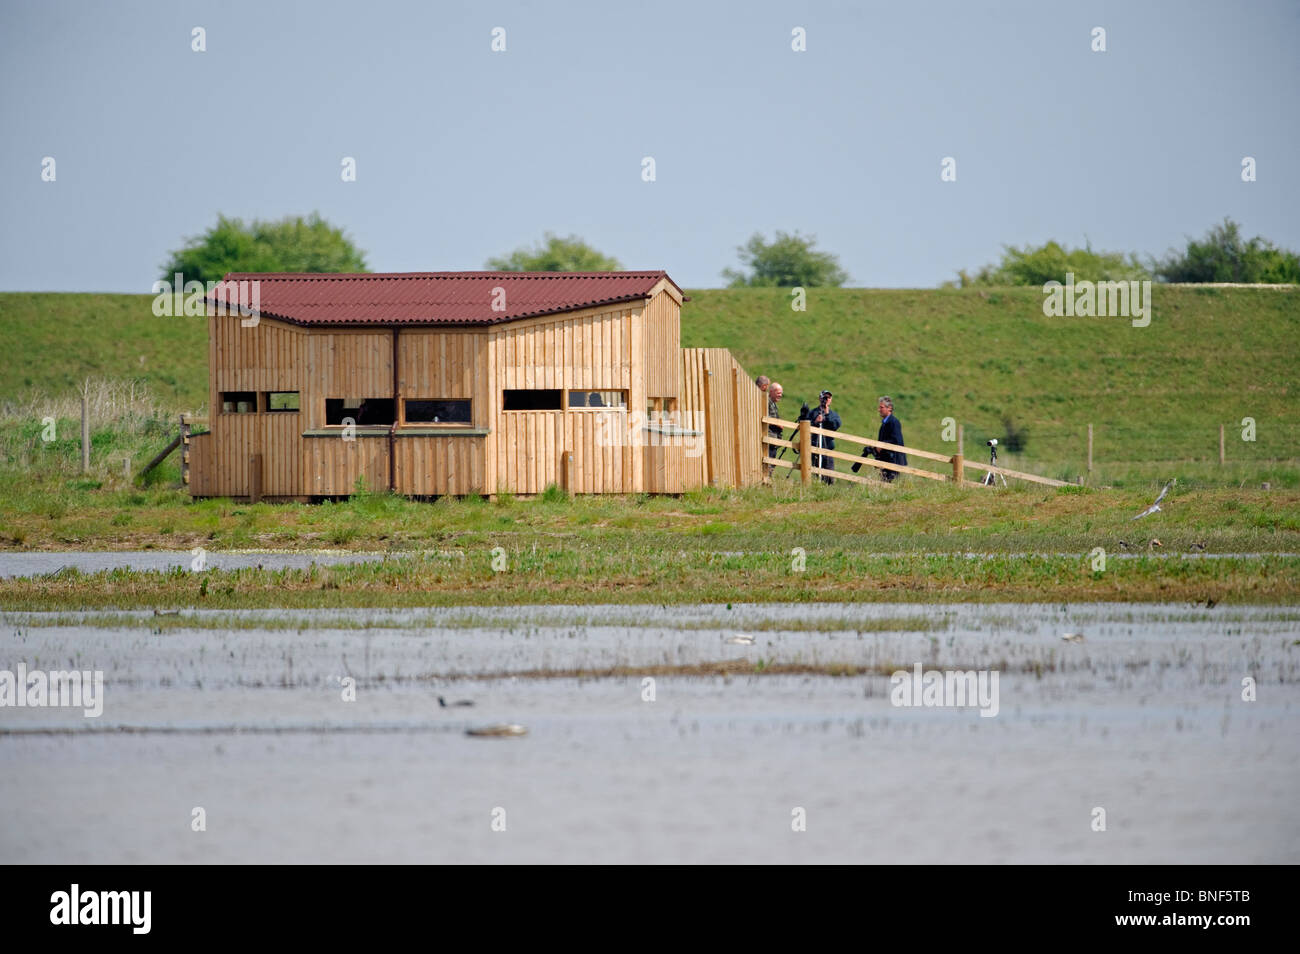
[463, 153]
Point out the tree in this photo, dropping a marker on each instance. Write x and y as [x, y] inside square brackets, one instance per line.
[556, 254]
[1223, 256]
[785, 262]
[1051, 262]
[291, 244]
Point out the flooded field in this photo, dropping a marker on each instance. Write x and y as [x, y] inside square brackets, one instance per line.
[31, 563]
[693, 734]
[36, 563]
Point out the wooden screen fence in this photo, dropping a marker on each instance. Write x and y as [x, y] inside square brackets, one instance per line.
[804, 451]
[720, 399]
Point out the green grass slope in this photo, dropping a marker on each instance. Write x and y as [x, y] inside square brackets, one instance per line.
[1155, 395]
[54, 341]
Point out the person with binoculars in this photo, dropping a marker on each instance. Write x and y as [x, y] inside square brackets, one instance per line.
[891, 432]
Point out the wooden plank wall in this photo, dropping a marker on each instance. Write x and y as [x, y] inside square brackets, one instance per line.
[282, 453]
[633, 347]
[446, 364]
[663, 343]
[665, 471]
[202, 471]
[695, 462]
[268, 356]
[346, 363]
[588, 351]
[748, 425]
[717, 391]
[236, 438]
[432, 466]
[332, 465]
[451, 364]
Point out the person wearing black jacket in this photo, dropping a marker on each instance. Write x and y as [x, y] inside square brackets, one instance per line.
[822, 416]
[891, 432]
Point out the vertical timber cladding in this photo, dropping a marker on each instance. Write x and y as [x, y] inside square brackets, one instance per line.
[751, 408]
[262, 357]
[447, 364]
[695, 464]
[719, 392]
[664, 458]
[590, 350]
[202, 474]
[345, 363]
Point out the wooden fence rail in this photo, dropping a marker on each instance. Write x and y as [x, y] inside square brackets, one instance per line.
[806, 451]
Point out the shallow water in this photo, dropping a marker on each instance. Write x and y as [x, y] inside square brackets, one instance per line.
[35, 562]
[31, 563]
[242, 713]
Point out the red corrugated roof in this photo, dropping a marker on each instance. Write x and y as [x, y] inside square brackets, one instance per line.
[431, 298]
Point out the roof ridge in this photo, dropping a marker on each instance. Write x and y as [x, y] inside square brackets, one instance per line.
[437, 297]
[370, 276]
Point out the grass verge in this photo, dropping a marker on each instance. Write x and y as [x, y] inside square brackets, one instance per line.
[642, 576]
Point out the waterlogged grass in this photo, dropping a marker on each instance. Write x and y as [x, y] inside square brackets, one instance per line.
[637, 575]
[65, 514]
[174, 621]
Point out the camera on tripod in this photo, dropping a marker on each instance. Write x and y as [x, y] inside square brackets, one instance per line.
[988, 481]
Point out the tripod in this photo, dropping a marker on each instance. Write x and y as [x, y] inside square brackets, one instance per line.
[804, 414]
[988, 480]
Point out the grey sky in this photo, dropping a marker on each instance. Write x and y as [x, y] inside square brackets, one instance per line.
[463, 153]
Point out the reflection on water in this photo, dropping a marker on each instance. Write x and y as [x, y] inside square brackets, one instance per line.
[35, 563]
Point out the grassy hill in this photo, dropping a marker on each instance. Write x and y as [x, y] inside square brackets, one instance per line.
[987, 358]
[53, 341]
[1155, 395]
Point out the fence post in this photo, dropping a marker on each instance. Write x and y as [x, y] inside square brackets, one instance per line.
[185, 451]
[85, 434]
[255, 478]
[805, 451]
[959, 459]
[1221, 455]
[1090, 448]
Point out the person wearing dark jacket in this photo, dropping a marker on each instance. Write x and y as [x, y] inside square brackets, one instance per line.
[822, 416]
[891, 432]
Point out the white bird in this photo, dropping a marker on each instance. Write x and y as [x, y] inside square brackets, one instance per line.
[1155, 507]
[1072, 637]
[741, 639]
